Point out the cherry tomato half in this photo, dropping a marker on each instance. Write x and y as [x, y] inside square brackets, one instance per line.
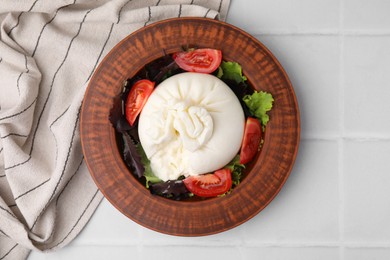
[251, 140]
[211, 184]
[199, 60]
[137, 98]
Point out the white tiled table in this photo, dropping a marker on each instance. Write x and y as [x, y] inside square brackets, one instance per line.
[336, 203]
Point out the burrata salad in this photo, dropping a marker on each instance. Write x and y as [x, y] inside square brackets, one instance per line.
[189, 123]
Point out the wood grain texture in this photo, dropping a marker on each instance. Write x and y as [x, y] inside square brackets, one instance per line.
[267, 174]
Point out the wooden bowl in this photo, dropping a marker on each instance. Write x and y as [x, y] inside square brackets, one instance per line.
[266, 175]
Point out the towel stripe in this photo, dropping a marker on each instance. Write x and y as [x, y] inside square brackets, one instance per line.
[158, 2]
[150, 16]
[55, 139]
[78, 220]
[63, 113]
[179, 10]
[13, 134]
[17, 23]
[208, 11]
[9, 212]
[66, 185]
[6, 117]
[2, 232]
[20, 75]
[101, 52]
[63, 170]
[120, 11]
[16, 165]
[8, 252]
[69, 151]
[36, 187]
[220, 6]
[70, 179]
[46, 24]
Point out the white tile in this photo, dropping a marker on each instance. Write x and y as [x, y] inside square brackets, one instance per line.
[88, 252]
[108, 226]
[367, 254]
[307, 208]
[367, 200]
[366, 15]
[312, 64]
[284, 15]
[291, 253]
[190, 252]
[367, 87]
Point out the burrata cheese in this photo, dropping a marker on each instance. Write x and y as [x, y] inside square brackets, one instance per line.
[191, 124]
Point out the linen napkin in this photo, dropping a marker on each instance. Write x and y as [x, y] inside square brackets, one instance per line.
[49, 50]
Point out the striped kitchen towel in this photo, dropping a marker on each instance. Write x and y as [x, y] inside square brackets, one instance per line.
[49, 50]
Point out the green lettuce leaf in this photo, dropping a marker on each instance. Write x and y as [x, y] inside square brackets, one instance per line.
[259, 103]
[219, 72]
[231, 71]
[148, 173]
[236, 167]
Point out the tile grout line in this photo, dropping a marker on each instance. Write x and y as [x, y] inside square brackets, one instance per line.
[356, 138]
[252, 244]
[342, 133]
[331, 32]
[222, 244]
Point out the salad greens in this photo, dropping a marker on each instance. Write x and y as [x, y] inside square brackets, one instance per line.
[236, 167]
[131, 155]
[173, 189]
[148, 174]
[259, 103]
[254, 103]
[231, 71]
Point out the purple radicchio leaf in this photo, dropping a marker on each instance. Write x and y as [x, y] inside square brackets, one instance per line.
[174, 189]
[116, 112]
[132, 157]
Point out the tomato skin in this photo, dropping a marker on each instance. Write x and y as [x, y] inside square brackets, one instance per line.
[199, 60]
[211, 184]
[251, 140]
[137, 98]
